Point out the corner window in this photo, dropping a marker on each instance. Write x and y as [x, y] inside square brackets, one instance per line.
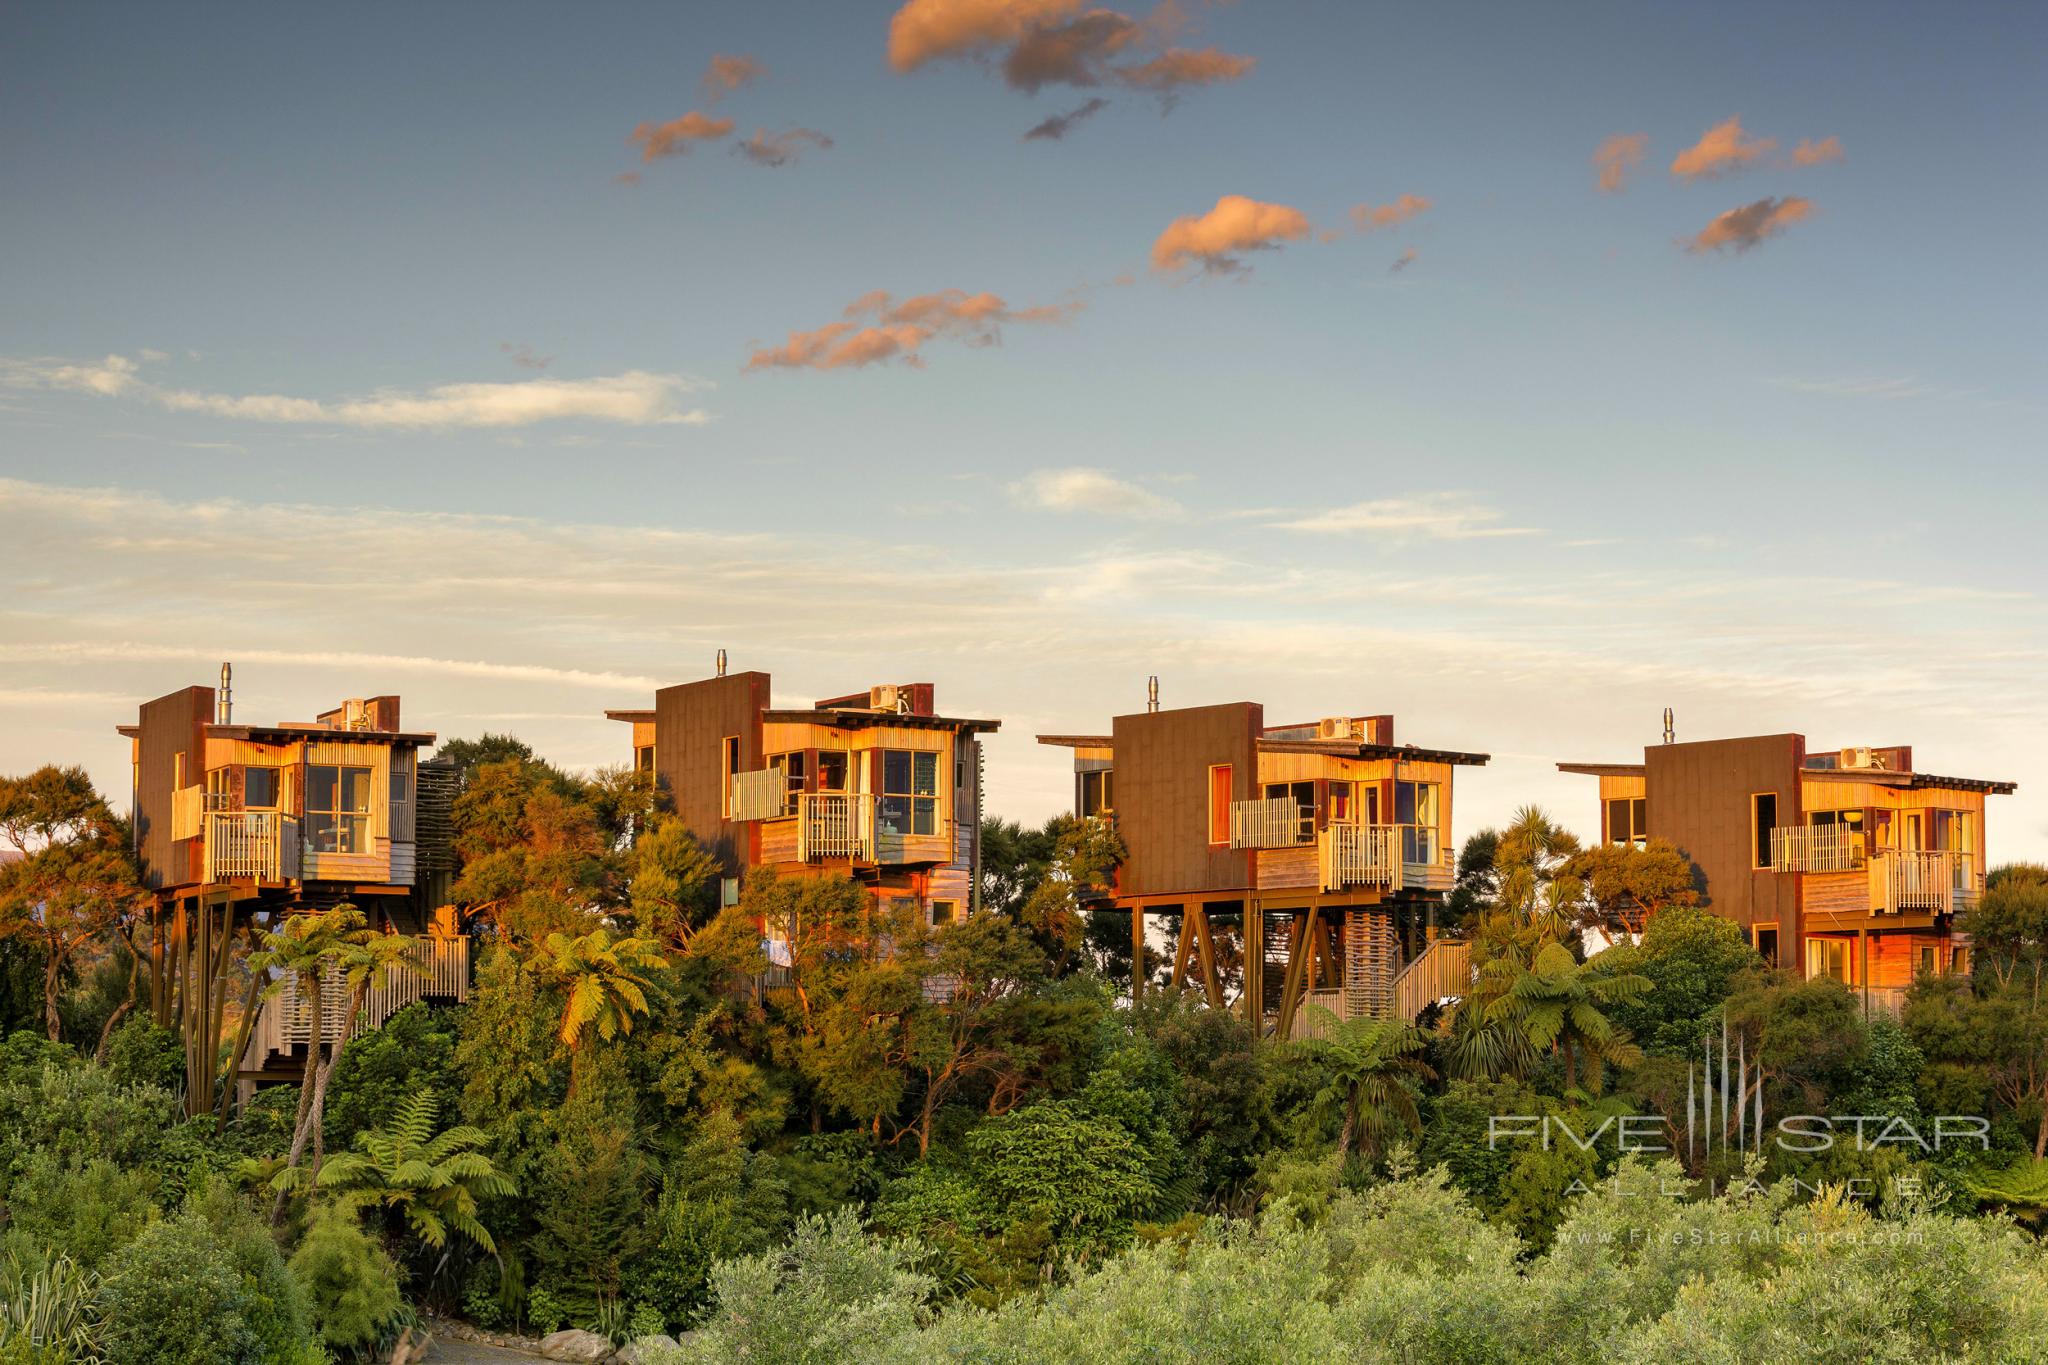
[643, 758]
[1219, 803]
[337, 816]
[1097, 794]
[909, 802]
[1628, 821]
[1763, 818]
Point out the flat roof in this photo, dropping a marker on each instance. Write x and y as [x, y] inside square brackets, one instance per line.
[1355, 748]
[1079, 741]
[1876, 777]
[629, 715]
[864, 719]
[1603, 769]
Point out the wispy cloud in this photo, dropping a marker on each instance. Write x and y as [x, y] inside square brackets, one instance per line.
[1810, 153]
[678, 135]
[779, 149]
[1722, 149]
[1616, 158]
[1373, 217]
[1057, 126]
[635, 398]
[1216, 240]
[1080, 489]
[522, 355]
[1037, 43]
[1432, 516]
[1886, 388]
[1745, 227]
[1403, 261]
[726, 73]
[879, 328]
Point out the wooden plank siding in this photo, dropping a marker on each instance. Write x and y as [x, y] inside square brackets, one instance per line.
[692, 721]
[1700, 801]
[1162, 792]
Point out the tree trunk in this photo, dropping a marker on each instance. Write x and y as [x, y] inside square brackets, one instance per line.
[241, 1048]
[53, 978]
[305, 1098]
[99, 1054]
[2041, 1137]
[1350, 1130]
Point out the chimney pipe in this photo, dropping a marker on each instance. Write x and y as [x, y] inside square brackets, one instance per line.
[721, 663]
[1152, 693]
[224, 705]
[1669, 733]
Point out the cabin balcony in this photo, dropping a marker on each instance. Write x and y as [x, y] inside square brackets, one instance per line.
[1919, 881]
[1277, 822]
[1395, 857]
[262, 845]
[1817, 848]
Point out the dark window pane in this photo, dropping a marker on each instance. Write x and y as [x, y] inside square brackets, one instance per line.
[927, 775]
[320, 833]
[924, 815]
[896, 771]
[1640, 810]
[1766, 819]
[259, 788]
[1617, 822]
[320, 788]
[832, 772]
[355, 789]
[401, 786]
[892, 814]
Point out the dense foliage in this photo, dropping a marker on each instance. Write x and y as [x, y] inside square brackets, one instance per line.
[900, 1141]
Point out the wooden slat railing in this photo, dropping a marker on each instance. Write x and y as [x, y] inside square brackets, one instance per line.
[1915, 880]
[1272, 823]
[1816, 848]
[285, 1023]
[836, 825]
[760, 795]
[1398, 857]
[263, 844]
[1443, 971]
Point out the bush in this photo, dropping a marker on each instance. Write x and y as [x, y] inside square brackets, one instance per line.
[174, 1296]
[350, 1283]
[47, 1311]
[275, 1306]
[140, 1053]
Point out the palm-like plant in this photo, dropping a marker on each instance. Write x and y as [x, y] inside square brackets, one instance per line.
[48, 1303]
[433, 1179]
[1370, 1062]
[607, 981]
[1558, 1003]
[1531, 859]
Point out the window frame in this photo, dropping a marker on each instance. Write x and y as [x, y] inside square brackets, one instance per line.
[945, 912]
[912, 802]
[1760, 829]
[276, 801]
[729, 760]
[1219, 809]
[340, 816]
[1756, 940]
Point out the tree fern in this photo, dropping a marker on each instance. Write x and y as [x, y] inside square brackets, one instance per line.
[434, 1180]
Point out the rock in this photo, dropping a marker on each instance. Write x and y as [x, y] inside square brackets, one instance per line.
[576, 1345]
[646, 1350]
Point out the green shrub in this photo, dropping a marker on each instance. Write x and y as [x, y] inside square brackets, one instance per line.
[350, 1283]
[275, 1305]
[174, 1296]
[90, 1210]
[140, 1053]
[48, 1313]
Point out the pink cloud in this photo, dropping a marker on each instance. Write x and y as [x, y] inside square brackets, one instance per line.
[1810, 153]
[727, 73]
[1743, 228]
[1721, 149]
[1237, 224]
[1617, 158]
[675, 137]
[1369, 218]
[878, 329]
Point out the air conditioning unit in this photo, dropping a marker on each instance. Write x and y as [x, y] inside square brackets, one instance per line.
[1336, 727]
[1859, 757]
[890, 697]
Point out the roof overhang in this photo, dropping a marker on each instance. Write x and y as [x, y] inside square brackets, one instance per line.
[1603, 769]
[1878, 777]
[869, 720]
[274, 734]
[1079, 741]
[1351, 748]
[632, 717]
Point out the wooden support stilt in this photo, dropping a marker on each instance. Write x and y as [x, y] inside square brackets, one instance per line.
[1181, 943]
[1254, 968]
[1297, 967]
[1210, 984]
[1137, 953]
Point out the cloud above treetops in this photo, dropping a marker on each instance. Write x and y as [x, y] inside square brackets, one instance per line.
[727, 73]
[1745, 227]
[1040, 43]
[1216, 241]
[1616, 158]
[878, 328]
[678, 135]
[635, 398]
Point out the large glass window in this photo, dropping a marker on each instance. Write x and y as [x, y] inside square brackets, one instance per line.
[1415, 806]
[831, 770]
[1828, 957]
[1219, 803]
[909, 802]
[337, 818]
[1763, 818]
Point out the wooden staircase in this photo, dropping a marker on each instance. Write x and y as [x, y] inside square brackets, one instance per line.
[1442, 971]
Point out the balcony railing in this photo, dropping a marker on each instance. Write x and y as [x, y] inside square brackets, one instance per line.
[1276, 822]
[263, 844]
[1397, 857]
[836, 825]
[1816, 848]
[1907, 881]
[760, 795]
[440, 971]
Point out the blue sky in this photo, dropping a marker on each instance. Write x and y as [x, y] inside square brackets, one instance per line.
[1790, 487]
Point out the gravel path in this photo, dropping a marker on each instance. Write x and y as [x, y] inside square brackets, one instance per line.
[470, 1353]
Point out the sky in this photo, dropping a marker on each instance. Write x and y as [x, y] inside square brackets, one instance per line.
[1519, 370]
